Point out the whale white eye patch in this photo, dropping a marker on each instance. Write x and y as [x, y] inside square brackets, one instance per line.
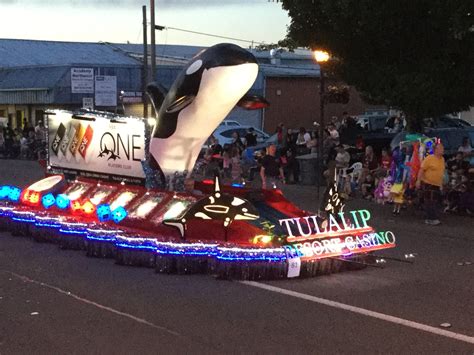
[194, 67]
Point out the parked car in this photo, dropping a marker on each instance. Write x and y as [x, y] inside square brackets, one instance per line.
[445, 122]
[224, 134]
[451, 138]
[229, 123]
[372, 123]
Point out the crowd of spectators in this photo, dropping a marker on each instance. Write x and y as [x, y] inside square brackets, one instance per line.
[360, 171]
[26, 143]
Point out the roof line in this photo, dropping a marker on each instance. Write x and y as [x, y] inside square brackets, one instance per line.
[108, 44]
[26, 89]
[288, 67]
[45, 40]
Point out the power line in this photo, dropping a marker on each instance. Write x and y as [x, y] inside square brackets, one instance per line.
[207, 34]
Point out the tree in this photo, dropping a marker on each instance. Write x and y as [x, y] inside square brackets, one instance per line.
[416, 55]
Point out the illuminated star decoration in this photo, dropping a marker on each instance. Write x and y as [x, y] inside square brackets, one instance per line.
[219, 206]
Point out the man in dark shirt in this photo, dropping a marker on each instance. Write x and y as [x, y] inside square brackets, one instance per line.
[251, 137]
[271, 171]
[8, 136]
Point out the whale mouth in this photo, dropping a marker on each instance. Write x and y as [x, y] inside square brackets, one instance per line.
[216, 209]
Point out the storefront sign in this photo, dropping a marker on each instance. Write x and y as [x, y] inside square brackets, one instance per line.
[106, 90]
[88, 103]
[131, 97]
[82, 80]
[96, 144]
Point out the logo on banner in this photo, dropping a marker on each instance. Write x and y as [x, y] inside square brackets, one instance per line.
[115, 146]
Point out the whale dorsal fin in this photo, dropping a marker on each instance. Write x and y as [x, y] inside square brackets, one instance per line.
[156, 93]
[253, 102]
[217, 185]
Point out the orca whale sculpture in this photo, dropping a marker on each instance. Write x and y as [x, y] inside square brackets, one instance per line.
[218, 206]
[208, 88]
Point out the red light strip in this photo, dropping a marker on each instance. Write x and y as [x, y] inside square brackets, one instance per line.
[355, 251]
[346, 232]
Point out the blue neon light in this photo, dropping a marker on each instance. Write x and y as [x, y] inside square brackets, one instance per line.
[26, 220]
[72, 231]
[213, 251]
[48, 225]
[128, 246]
[101, 239]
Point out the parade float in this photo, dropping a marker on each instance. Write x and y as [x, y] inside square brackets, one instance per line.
[118, 188]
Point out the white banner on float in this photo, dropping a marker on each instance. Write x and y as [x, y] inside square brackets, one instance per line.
[105, 90]
[96, 144]
[82, 80]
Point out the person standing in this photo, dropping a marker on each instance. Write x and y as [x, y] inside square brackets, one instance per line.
[2, 140]
[236, 169]
[465, 147]
[430, 181]
[250, 137]
[8, 137]
[369, 163]
[271, 171]
[333, 133]
[41, 134]
[237, 141]
[302, 141]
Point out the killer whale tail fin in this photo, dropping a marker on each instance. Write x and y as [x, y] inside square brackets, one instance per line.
[253, 102]
[178, 223]
[156, 93]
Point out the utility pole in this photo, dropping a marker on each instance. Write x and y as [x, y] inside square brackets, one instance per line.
[321, 129]
[153, 45]
[145, 64]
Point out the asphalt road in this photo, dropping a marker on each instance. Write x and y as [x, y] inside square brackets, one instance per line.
[54, 301]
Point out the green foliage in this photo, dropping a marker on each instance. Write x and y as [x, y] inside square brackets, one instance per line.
[416, 55]
[268, 227]
[286, 43]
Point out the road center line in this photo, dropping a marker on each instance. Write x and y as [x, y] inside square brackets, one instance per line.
[365, 312]
[92, 303]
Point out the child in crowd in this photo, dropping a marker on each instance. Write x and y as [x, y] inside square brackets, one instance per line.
[368, 187]
[226, 161]
[397, 191]
[236, 171]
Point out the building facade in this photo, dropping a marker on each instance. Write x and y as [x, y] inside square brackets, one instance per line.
[39, 75]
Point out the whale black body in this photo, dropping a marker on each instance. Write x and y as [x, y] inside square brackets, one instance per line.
[218, 206]
[203, 94]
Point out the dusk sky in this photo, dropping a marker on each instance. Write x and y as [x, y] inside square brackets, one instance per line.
[121, 20]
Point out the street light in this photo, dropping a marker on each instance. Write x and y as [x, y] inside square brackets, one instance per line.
[321, 57]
